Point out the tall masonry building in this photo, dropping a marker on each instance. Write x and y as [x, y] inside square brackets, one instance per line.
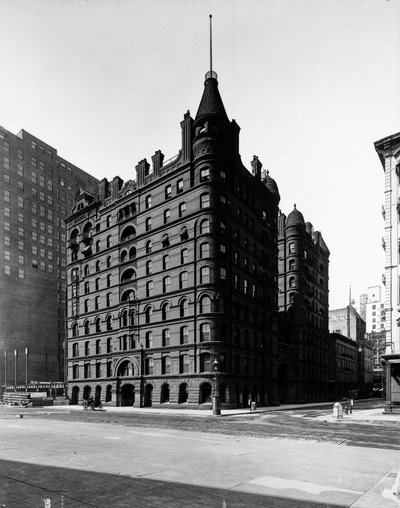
[173, 276]
[37, 191]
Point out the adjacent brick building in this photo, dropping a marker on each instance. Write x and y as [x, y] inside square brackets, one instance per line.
[303, 310]
[174, 274]
[37, 191]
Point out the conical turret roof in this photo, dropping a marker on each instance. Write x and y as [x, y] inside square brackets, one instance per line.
[211, 103]
[295, 218]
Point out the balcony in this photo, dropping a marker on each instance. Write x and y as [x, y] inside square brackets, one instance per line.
[87, 238]
[73, 244]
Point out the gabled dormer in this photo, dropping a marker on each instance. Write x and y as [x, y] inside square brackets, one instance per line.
[83, 199]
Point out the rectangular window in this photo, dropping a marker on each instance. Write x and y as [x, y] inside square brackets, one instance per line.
[20, 169]
[183, 363]
[6, 225]
[205, 174]
[20, 154]
[7, 241]
[6, 211]
[6, 162]
[6, 196]
[6, 178]
[166, 365]
[20, 202]
[7, 269]
[21, 273]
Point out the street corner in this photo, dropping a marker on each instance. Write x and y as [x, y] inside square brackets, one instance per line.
[385, 493]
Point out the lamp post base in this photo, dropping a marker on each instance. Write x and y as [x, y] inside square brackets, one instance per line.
[216, 405]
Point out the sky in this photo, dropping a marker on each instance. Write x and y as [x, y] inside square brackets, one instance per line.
[312, 84]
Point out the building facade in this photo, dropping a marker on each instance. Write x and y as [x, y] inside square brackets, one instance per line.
[344, 370]
[172, 289]
[303, 283]
[37, 192]
[348, 322]
[388, 150]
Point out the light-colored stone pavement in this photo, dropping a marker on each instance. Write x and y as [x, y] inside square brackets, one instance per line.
[82, 464]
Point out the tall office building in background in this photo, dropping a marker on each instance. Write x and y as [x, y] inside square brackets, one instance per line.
[37, 191]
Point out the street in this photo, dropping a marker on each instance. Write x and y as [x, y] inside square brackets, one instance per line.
[277, 459]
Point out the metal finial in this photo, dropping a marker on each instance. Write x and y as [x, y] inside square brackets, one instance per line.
[211, 44]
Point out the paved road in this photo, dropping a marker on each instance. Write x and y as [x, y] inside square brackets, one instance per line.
[293, 462]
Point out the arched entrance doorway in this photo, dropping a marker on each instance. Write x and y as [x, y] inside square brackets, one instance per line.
[283, 382]
[148, 396]
[127, 395]
[205, 393]
[108, 393]
[75, 395]
[183, 393]
[97, 394]
[87, 390]
[164, 393]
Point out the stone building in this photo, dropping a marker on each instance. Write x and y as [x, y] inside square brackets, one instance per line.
[344, 367]
[303, 310]
[388, 150]
[348, 322]
[172, 277]
[37, 191]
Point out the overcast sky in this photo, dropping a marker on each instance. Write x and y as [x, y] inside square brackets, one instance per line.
[312, 84]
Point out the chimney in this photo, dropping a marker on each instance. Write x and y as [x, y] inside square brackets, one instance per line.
[157, 160]
[115, 187]
[256, 167]
[142, 170]
[103, 190]
[186, 126]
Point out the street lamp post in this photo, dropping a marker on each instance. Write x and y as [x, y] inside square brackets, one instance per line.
[216, 404]
[26, 368]
[15, 368]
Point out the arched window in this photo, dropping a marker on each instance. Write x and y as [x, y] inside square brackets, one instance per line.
[183, 308]
[97, 266]
[128, 296]
[98, 246]
[97, 325]
[132, 253]
[167, 215]
[75, 349]
[108, 262]
[164, 311]
[148, 224]
[86, 270]
[123, 318]
[183, 280]
[205, 275]
[128, 234]
[149, 267]
[87, 327]
[129, 275]
[148, 314]
[97, 284]
[124, 255]
[292, 282]
[87, 348]
[184, 256]
[184, 234]
[149, 247]
[109, 280]
[205, 305]
[109, 322]
[204, 226]
[75, 330]
[149, 288]
[165, 241]
[109, 241]
[291, 264]
[131, 318]
[166, 283]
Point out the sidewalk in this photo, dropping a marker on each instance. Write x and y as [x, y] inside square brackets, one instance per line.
[375, 415]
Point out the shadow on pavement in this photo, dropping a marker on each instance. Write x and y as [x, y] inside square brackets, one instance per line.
[24, 485]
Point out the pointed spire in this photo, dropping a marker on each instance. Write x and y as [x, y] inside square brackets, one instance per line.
[211, 103]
